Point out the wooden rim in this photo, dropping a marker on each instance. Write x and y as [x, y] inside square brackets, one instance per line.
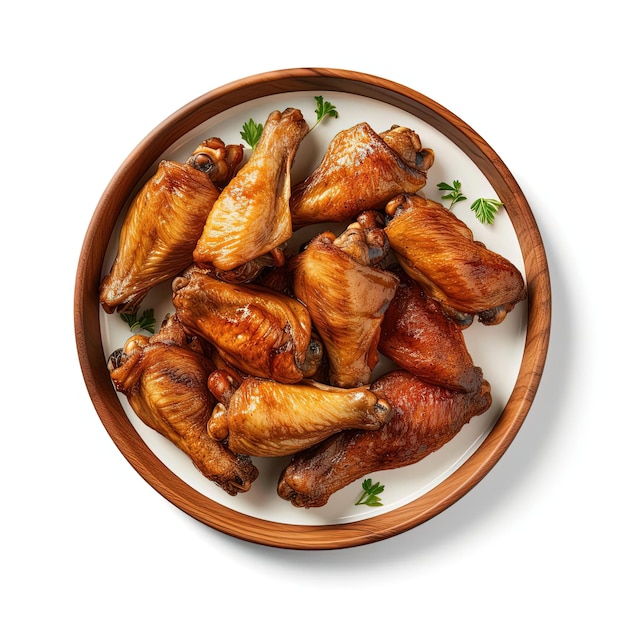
[93, 362]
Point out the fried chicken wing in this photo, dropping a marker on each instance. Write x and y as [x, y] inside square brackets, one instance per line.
[420, 338]
[360, 170]
[346, 298]
[270, 419]
[425, 417]
[251, 217]
[253, 328]
[164, 221]
[438, 250]
[165, 381]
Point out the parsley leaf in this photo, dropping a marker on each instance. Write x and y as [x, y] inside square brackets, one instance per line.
[145, 322]
[455, 195]
[486, 209]
[251, 132]
[324, 109]
[369, 495]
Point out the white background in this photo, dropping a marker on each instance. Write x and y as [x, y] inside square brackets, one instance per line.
[85, 540]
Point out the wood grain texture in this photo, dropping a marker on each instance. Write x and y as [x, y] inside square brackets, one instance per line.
[124, 185]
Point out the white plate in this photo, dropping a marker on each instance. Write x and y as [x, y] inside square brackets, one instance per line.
[415, 492]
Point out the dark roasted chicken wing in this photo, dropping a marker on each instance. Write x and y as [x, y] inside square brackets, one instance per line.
[255, 329]
[164, 221]
[361, 170]
[419, 337]
[165, 381]
[425, 417]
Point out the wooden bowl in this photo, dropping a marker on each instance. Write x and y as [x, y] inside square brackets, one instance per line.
[218, 514]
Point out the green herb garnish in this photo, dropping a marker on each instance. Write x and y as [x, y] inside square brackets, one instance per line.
[369, 496]
[251, 132]
[145, 322]
[455, 195]
[486, 209]
[324, 109]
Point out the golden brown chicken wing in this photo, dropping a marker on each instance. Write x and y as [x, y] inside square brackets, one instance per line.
[251, 217]
[361, 170]
[271, 419]
[418, 336]
[163, 223]
[165, 381]
[346, 298]
[425, 417]
[438, 250]
[255, 329]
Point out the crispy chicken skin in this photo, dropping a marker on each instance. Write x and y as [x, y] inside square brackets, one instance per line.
[360, 170]
[165, 381]
[255, 329]
[164, 221]
[425, 417]
[346, 298]
[269, 419]
[438, 250]
[419, 337]
[251, 216]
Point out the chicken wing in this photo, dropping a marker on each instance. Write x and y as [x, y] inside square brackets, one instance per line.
[270, 419]
[425, 417]
[360, 170]
[165, 381]
[251, 217]
[164, 221]
[346, 298]
[253, 328]
[438, 250]
[420, 338]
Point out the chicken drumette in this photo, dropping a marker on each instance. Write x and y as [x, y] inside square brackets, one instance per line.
[425, 417]
[346, 294]
[265, 418]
